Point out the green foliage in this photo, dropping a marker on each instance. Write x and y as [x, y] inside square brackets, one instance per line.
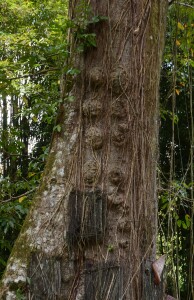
[176, 203]
[82, 26]
[11, 217]
[33, 49]
[176, 186]
[20, 295]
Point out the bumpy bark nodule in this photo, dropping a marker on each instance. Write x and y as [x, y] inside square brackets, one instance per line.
[91, 232]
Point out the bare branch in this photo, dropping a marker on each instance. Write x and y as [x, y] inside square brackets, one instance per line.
[17, 197]
[180, 3]
[34, 74]
[185, 4]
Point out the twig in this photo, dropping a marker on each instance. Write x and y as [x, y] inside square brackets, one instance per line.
[185, 4]
[180, 3]
[34, 74]
[17, 197]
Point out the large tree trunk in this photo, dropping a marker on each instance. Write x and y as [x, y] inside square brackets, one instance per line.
[91, 232]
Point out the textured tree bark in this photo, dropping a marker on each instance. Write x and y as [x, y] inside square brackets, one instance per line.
[91, 233]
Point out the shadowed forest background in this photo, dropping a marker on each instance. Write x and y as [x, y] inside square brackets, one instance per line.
[33, 49]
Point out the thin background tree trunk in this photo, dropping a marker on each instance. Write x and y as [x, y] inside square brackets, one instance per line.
[107, 149]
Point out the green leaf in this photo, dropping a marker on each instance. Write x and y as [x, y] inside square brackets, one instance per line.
[180, 26]
[70, 98]
[179, 222]
[73, 71]
[187, 220]
[184, 225]
[57, 128]
[21, 199]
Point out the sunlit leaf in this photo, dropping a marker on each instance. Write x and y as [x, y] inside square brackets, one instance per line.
[30, 174]
[21, 199]
[180, 26]
[187, 220]
[34, 118]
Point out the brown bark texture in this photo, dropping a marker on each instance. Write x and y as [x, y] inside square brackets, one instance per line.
[91, 232]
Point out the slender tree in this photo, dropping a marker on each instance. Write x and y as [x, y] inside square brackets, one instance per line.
[91, 231]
